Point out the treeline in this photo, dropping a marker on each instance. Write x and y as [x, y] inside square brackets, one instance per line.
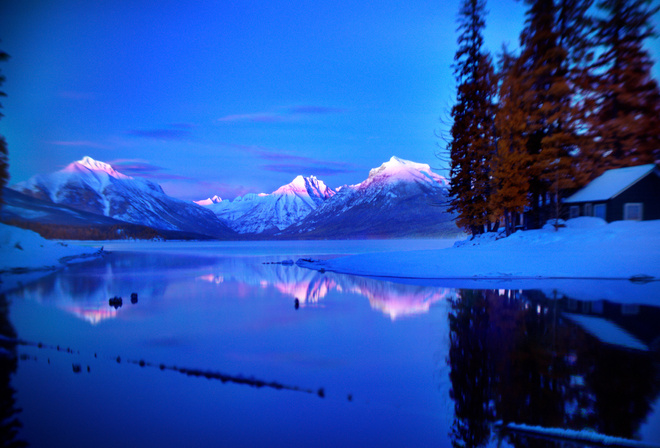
[577, 99]
[97, 232]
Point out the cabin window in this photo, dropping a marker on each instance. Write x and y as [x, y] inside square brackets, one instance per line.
[574, 211]
[633, 211]
[588, 210]
[629, 309]
[599, 210]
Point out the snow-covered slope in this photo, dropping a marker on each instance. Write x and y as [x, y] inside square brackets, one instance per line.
[95, 187]
[258, 213]
[399, 198]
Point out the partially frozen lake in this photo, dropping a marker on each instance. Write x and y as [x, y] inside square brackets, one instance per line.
[225, 347]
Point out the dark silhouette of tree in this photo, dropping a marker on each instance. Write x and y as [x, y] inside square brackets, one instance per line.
[472, 141]
[9, 422]
[516, 357]
[4, 161]
[623, 105]
[471, 370]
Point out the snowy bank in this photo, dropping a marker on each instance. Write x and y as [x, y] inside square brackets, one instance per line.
[570, 434]
[587, 248]
[25, 251]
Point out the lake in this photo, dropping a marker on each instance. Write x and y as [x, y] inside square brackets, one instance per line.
[226, 346]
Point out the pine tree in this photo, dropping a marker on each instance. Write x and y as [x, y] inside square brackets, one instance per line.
[546, 96]
[510, 183]
[472, 136]
[625, 99]
[4, 161]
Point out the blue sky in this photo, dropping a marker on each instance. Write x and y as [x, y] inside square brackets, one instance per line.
[229, 97]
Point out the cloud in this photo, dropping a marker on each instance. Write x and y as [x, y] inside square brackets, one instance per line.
[296, 164]
[254, 118]
[142, 168]
[80, 143]
[316, 169]
[284, 114]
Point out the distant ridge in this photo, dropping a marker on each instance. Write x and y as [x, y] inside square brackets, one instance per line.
[95, 187]
[398, 199]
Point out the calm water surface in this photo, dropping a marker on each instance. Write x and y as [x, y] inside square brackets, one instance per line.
[224, 348]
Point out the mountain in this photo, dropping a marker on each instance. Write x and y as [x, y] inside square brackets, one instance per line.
[399, 199]
[267, 213]
[214, 200]
[95, 187]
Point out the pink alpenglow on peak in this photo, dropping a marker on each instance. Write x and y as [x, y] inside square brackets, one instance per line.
[87, 163]
[309, 186]
[397, 169]
[214, 200]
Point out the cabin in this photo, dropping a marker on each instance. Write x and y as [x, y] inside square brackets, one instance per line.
[631, 193]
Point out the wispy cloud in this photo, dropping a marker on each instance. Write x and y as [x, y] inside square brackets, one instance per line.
[142, 168]
[80, 143]
[283, 162]
[316, 169]
[283, 114]
[255, 118]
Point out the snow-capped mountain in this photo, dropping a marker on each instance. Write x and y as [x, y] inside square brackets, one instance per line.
[214, 200]
[258, 213]
[96, 187]
[400, 198]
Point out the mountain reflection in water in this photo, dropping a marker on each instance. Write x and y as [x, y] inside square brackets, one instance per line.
[448, 362]
[87, 296]
[310, 287]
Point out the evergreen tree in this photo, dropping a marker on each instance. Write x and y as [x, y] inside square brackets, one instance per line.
[510, 183]
[546, 96]
[4, 161]
[625, 99]
[472, 137]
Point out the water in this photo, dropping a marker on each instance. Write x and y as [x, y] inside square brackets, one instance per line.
[223, 348]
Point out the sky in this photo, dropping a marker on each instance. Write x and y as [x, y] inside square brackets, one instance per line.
[232, 97]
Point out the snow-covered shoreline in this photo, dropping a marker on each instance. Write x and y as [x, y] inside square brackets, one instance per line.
[587, 248]
[24, 251]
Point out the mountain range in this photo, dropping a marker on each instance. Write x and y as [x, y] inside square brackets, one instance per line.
[398, 199]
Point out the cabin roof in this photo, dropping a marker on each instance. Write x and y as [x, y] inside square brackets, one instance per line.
[611, 183]
[607, 331]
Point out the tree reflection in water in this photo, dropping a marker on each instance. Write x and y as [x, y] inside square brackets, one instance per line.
[519, 357]
[9, 422]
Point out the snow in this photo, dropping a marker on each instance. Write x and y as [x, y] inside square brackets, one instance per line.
[402, 170]
[583, 435]
[611, 183]
[208, 201]
[97, 166]
[586, 248]
[607, 331]
[24, 251]
[288, 204]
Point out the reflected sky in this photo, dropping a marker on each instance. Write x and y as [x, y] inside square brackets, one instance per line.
[396, 362]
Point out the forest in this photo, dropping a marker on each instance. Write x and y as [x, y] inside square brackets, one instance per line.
[530, 128]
